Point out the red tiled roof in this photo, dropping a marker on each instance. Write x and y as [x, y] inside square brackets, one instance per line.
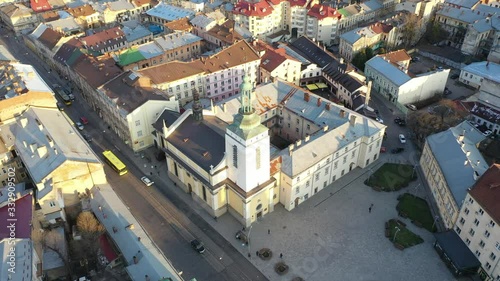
[275, 2]
[104, 38]
[323, 11]
[275, 165]
[486, 192]
[40, 5]
[301, 3]
[23, 216]
[397, 56]
[107, 249]
[97, 71]
[381, 27]
[259, 9]
[49, 38]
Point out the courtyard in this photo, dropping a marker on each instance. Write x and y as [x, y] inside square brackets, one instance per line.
[333, 236]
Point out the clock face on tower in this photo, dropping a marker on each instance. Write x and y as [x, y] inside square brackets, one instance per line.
[245, 100]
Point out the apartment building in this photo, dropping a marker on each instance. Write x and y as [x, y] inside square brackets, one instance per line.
[474, 73]
[321, 23]
[18, 17]
[216, 77]
[105, 41]
[455, 21]
[85, 15]
[451, 164]
[478, 222]
[261, 18]
[275, 63]
[482, 35]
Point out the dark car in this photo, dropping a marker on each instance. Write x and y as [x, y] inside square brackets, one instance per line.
[400, 122]
[397, 120]
[198, 246]
[60, 106]
[454, 76]
[87, 137]
[397, 150]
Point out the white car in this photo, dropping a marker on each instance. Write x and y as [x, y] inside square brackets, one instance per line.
[79, 126]
[487, 132]
[412, 107]
[147, 181]
[402, 138]
[379, 120]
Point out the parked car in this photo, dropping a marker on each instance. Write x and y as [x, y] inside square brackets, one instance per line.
[60, 106]
[147, 181]
[400, 121]
[84, 120]
[198, 246]
[415, 59]
[454, 76]
[402, 138]
[379, 120]
[411, 106]
[397, 150]
[446, 91]
[87, 137]
[71, 96]
[487, 132]
[383, 149]
[79, 126]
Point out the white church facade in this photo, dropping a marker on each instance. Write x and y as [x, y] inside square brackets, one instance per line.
[274, 144]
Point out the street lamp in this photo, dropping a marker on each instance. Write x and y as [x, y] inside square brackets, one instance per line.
[436, 218]
[396, 233]
[248, 239]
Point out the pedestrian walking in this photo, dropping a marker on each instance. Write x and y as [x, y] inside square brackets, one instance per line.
[215, 218]
[257, 253]
[268, 231]
[370, 209]
[281, 255]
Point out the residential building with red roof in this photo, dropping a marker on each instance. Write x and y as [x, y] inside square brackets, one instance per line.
[275, 63]
[261, 18]
[40, 6]
[18, 17]
[106, 41]
[321, 23]
[478, 222]
[85, 15]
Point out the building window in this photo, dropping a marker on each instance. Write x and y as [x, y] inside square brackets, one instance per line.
[481, 244]
[345, 159]
[52, 204]
[478, 254]
[297, 190]
[481, 212]
[326, 171]
[353, 153]
[467, 241]
[466, 211]
[497, 246]
[137, 122]
[204, 193]
[458, 230]
[235, 156]
[476, 222]
[257, 158]
[139, 133]
[462, 221]
[471, 201]
[472, 232]
[488, 266]
[307, 183]
[370, 148]
[493, 256]
[486, 234]
[335, 164]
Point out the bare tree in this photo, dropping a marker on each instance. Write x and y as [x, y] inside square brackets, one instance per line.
[411, 32]
[51, 240]
[90, 229]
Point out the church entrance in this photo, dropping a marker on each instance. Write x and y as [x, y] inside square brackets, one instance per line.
[351, 166]
[296, 202]
[259, 215]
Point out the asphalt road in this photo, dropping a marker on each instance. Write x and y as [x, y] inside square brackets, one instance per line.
[169, 221]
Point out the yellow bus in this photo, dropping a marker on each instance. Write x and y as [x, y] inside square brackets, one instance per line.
[115, 163]
[60, 92]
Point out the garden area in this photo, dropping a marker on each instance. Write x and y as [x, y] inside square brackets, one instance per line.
[417, 210]
[398, 234]
[392, 177]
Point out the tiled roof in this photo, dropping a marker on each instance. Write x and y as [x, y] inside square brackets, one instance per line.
[462, 3]
[380, 28]
[181, 24]
[82, 11]
[461, 15]
[301, 3]
[311, 51]
[49, 38]
[67, 51]
[232, 56]
[120, 5]
[40, 5]
[97, 71]
[323, 11]
[101, 40]
[486, 192]
[126, 94]
[50, 16]
[259, 9]
[169, 12]
[397, 56]
[140, 3]
[225, 32]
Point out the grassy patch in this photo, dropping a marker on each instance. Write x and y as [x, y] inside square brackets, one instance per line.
[392, 177]
[416, 209]
[404, 237]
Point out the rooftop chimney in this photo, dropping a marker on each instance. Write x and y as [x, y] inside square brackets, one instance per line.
[307, 138]
[325, 128]
[306, 96]
[327, 106]
[352, 120]
[342, 113]
[319, 102]
[298, 143]
[290, 149]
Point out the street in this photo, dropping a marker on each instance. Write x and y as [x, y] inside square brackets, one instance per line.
[169, 221]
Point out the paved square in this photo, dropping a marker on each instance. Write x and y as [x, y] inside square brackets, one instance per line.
[333, 236]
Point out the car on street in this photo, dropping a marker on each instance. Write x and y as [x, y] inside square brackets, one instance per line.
[60, 106]
[198, 246]
[79, 125]
[402, 138]
[397, 150]
[84, 120]
[71, 96]
[446, 91]
[400, 121]
[383, 149]
[147, 181]
[415, 59]
[87, 137]
[411, 106]
[454, 76]
[487, 132]
[379, 120]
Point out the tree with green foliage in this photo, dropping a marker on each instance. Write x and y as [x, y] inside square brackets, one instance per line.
[362, 57]
[435, 33]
